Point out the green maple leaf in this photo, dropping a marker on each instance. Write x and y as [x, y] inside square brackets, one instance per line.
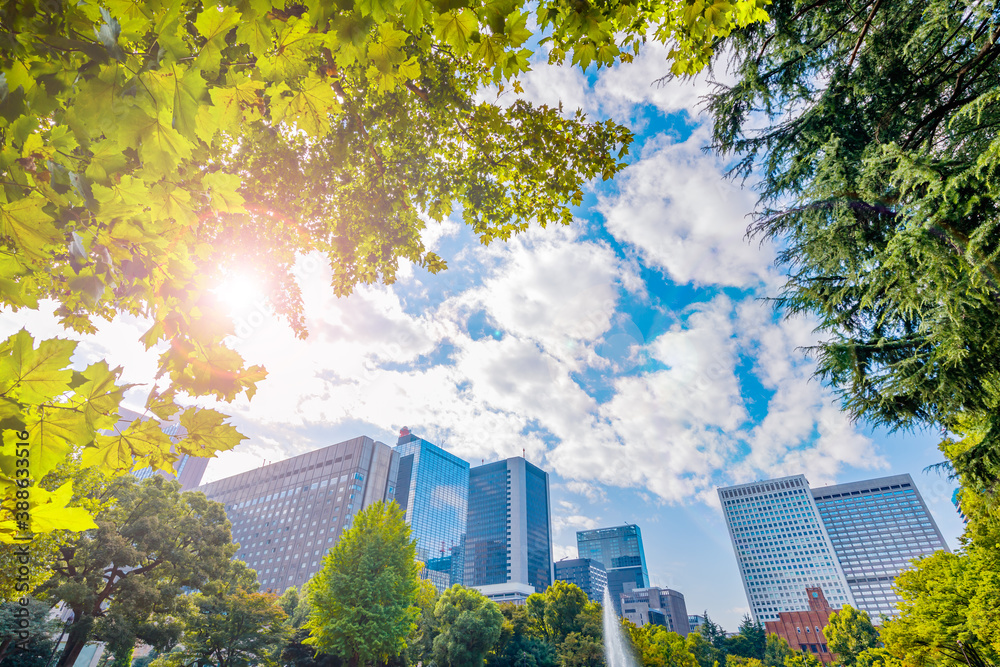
[35, 375]
[257, 34]
[49, 511]
[295, 43]
[142, 439]
[213, 24]
[189, 91]
[29, 227]
[224, 189]
[456, 27]
[309, 108]
[207, 433]
[100, 395]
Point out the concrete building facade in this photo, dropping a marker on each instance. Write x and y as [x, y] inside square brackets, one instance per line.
[586, 573]
[639, 605]
[877, 527]
[781, 546]
[508, 529]
[286, 515]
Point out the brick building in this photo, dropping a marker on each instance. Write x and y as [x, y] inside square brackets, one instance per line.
[803, 630]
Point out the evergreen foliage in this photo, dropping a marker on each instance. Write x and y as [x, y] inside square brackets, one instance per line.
[878, 166]
[124, 581]
[230, 624]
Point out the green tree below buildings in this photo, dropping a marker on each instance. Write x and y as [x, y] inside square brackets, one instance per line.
[362, 601]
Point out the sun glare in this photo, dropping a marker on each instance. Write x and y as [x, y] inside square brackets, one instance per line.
[239, 292]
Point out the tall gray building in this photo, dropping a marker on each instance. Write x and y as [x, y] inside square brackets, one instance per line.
[433, 489]
[586, 573]
[641, 605]
[781, 546]
[850, 540]
[877, 527]
[286, 515]
[620, 550]
[508, 542]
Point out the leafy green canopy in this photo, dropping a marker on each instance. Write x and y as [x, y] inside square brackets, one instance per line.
[148, 149]
[230, 624]
[125, 579]
[362, 602]
[849, 633]
[881, 181]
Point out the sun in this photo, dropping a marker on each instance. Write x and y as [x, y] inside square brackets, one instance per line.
[239, 291]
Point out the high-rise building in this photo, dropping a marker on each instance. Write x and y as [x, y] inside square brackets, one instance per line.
[286, 515]
[508, 542]
[781, 546]
[432, 488]
[188, 470]
[640, 605]
[877, 527]
[619, 549]
[586, 573]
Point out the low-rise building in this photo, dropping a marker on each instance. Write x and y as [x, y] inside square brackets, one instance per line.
[803, 630]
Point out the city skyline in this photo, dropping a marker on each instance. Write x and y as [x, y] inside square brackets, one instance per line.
[415, 443]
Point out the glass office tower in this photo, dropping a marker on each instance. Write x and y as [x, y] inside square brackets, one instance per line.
[508, 542]
[286, 515]
[586, 573]
[781, 546]
[620, 550]
[432, 489]
[877, 527]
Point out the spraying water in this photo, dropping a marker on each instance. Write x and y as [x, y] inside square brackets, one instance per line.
[617, 652]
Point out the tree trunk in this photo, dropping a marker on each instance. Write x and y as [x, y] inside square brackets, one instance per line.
[77, 638]
[3, 648]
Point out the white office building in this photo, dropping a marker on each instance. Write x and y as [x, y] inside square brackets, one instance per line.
[781, 546]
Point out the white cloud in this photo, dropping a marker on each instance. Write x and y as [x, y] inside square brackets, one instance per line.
[678, 211]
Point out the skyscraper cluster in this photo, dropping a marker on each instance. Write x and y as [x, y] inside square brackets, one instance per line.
[849, 541]
[487, 527]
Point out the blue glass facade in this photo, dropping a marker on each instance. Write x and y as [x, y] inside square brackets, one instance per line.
[509, 535]
[432, 488]
[486, 558]
[620, 550]
[588, 574]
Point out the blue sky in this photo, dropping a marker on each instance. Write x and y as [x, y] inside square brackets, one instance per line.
[628, 354]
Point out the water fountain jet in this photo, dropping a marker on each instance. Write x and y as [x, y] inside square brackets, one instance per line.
[617, 651]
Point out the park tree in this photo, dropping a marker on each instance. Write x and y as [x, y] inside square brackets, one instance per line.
[230, 624]
[802, 659]
[362, 601]
[750, 640]
[655, 646]
[295, 604]
[27, 633]
[703, 651]
[776, 650]
[522, 642]
[124, 581]
[713, 633]
[469, 626]
[420, 643]
[877, 657]
[849, 633]
[881, 190]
